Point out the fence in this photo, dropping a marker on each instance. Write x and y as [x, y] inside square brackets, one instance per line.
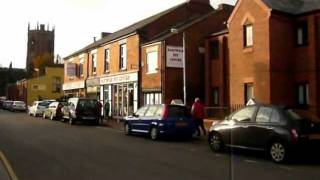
[221, 112]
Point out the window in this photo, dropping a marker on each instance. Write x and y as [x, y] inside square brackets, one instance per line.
[152, 62]
[264, 114]
[248, 92]
[106, 59]
[244, 114]
[123, 56]
[56, 84]
[94, 63]
[275, 117]
[141, 111]
[303, 94]
[151, 111]
[214, 49]
[216, 96]
[248, 35]
[302, 34]
[81, 67]
[152, 98]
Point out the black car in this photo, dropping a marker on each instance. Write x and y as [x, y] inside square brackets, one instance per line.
[277, 130]
[81, 109]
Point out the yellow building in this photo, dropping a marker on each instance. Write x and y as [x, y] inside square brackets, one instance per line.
[47, 86]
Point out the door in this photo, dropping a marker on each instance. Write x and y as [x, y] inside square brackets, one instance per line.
[243, 119]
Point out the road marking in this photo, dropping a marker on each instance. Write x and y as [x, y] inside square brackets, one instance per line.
[251, 161]
[285, 168]
[8, 166]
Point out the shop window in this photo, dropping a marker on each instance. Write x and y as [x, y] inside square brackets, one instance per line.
[123, 56]
[106, 59]
[94, 63]
[302, 34]
[216, 96]
[248, 35]
[303, 94]
[248, 92]
[214, 50]
[152, 62]
[56, 84]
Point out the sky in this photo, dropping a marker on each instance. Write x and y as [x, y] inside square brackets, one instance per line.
[76, 22]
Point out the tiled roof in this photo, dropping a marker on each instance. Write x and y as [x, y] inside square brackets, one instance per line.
[127, 30]
[294, 7]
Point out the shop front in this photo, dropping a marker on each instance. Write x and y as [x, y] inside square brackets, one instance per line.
[119, 94]
[74, 89]
[93, 88]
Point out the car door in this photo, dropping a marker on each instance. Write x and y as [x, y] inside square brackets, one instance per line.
[243, 119]
[137, 121]
[263, 128]
[150, 119]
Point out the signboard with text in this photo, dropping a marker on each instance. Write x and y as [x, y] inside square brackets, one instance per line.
[175, 56]
[119, 78]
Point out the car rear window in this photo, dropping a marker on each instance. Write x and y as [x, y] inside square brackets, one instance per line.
[297, 114]
[178, 111]
[19, 103]
[45, 104]
[87, 104]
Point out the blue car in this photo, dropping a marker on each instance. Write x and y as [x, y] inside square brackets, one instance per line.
[160, 120]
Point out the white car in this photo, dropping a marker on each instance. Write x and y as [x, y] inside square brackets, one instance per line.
[18, 106]
[37, 108]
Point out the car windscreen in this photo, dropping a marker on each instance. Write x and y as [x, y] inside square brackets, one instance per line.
[44, 104]
[87, 104]
[297, 114]
[178, 111]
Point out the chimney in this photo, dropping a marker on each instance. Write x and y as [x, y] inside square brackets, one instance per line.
[104, 34]
[207, 2]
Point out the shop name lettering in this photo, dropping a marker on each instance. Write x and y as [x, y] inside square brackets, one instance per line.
[117, 79]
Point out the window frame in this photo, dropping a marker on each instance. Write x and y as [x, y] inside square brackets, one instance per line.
[123, 57]
[246, 85]
[305, 94]
[94, 63]
[245, 35]
[148, 71]
[107, 60]
[303, 26]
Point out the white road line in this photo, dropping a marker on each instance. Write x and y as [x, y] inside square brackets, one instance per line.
[251, 161]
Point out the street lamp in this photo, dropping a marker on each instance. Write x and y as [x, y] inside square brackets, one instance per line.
[176, 31]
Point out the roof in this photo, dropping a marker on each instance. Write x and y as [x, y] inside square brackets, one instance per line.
[294, 7]
[189, 22]
[127, 30]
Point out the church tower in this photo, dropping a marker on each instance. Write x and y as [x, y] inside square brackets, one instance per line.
[40, 49]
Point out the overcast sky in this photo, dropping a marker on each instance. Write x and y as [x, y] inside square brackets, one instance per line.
[76, 22]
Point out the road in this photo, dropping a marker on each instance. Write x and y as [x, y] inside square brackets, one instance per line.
[39, 149]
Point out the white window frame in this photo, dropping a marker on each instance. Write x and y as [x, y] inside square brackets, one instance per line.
[152, 62]
[248, 35]
[107, 60]
[123, 57]
[94, 63]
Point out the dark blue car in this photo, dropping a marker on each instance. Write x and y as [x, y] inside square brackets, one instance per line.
[160, 120]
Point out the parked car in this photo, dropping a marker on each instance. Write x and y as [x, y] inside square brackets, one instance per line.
[81, 109]
[274, 129]
[1, 103]
[160, 120]
[18, 106]
[7, 104]
[37, 108]
[54, 110]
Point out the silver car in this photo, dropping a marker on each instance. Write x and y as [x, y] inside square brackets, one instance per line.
[18, 106]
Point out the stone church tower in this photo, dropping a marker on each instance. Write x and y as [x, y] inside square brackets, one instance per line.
[40, 50]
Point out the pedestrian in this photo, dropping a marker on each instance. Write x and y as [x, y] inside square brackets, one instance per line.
[197, 112]
[99, 108]
[106, 109]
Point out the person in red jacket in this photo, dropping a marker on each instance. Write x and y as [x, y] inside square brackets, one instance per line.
[197, 112]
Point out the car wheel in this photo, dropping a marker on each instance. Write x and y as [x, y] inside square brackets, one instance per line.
[215, 142]
[51, 116]
[278, 152]
[154, 133]
[127, 129]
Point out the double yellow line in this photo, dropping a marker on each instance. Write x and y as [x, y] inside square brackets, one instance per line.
[7, 166]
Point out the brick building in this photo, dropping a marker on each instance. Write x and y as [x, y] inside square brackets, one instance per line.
[273, 48]
[113, 68]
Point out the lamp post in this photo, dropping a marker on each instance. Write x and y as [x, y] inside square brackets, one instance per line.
[176, 31]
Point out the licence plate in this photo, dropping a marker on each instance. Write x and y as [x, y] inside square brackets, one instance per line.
[314, 136]
[87, 118]
[181, 124]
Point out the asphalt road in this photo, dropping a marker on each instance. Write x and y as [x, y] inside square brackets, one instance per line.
[41, 149]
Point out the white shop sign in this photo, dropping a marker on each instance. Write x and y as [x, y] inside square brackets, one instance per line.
[119, 78]
[73, 85]
[174, 56]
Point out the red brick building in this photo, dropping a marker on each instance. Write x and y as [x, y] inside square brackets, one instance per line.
[274, 54]
[108, 69]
